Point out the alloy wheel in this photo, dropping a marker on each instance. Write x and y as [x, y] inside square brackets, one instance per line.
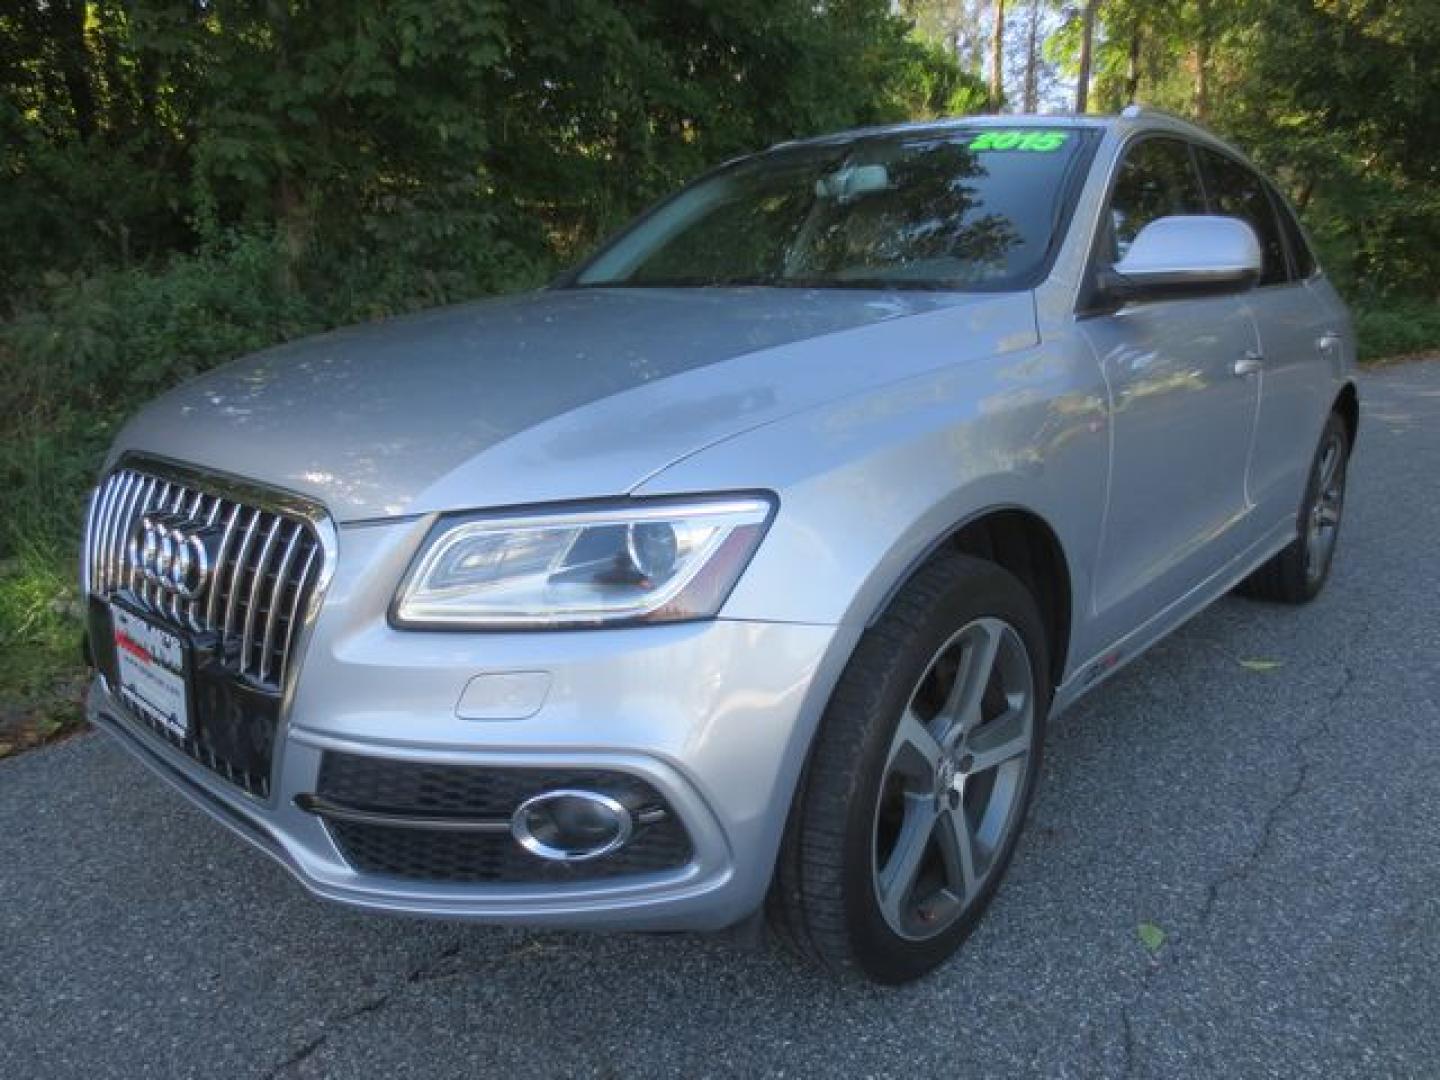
[952, 789]
[1323, 526]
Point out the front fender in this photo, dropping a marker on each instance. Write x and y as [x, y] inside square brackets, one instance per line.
[869, 485]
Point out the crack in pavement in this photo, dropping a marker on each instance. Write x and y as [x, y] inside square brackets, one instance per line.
[1241, 869]
[1127, 1022]
[433, 969]
[424, 972]
[1128, 1044]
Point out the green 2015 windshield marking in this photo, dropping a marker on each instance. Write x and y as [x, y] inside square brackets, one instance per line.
[1039, 142]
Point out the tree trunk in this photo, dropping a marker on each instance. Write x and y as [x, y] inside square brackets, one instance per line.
[1087, 40]
[1132, 66]
[1032, 59]
[68, 21]
[1202, 60]
[1303, 196]
[293, 220]
[997, 57]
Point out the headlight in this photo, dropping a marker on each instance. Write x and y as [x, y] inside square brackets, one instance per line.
[659, 561]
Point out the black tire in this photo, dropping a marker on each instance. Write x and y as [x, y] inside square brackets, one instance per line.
[1298, 573]
[825, 899]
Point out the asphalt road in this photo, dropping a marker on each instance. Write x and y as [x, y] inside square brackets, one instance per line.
[1281, 827]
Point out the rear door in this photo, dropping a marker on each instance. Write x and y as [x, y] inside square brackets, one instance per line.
[1182, 419]
[1295, 335]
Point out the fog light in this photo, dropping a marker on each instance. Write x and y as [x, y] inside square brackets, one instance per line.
[571, 826]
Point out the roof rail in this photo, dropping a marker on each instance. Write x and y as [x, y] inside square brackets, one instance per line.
[1135, 110]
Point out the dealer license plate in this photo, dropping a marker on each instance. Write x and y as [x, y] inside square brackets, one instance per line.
[150, 661]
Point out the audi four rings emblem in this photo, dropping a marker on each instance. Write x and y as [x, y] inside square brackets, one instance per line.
[168, 556]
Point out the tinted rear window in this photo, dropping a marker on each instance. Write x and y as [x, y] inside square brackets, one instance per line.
[1300, 254]
[1236, 191]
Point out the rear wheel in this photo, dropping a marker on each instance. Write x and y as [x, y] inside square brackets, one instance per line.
[920, 778]
[1298, 573]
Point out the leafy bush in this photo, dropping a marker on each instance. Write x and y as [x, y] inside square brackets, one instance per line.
[39, 649]
[1399, 328]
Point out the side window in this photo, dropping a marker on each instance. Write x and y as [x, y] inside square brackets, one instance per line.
[1235, 191]
[1157, 179]
[1301, 257]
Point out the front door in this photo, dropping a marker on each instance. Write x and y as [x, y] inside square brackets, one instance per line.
[1182, 411]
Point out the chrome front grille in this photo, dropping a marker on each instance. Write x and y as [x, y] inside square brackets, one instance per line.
[266, 565]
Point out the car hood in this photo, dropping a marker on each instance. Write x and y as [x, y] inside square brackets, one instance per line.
[551, 395]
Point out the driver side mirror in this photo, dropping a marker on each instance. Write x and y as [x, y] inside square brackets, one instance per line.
[1185, 256]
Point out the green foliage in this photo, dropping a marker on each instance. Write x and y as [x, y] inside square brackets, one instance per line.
[1336, 98]
[930, 84]
[1356, 106]
[1399, 328]
[136, 128]
[40, 672]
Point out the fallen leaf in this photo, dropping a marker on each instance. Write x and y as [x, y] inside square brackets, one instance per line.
[1151, 936]
[1261, 665]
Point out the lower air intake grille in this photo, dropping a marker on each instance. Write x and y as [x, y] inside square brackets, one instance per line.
[422, 789]
[472, 858]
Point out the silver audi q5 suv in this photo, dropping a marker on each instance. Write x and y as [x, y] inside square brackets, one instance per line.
[738, 570]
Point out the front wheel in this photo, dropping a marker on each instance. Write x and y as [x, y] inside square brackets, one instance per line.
[920, 777]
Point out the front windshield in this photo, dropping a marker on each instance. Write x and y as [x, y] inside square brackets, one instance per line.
[962, 209]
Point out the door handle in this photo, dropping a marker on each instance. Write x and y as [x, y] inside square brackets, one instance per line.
[1328, 342]
[1249, 364]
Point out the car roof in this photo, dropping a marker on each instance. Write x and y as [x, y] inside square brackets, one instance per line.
[1132, 117]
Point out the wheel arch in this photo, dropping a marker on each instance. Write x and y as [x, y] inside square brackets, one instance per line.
[1347, 404]
[1023, 542]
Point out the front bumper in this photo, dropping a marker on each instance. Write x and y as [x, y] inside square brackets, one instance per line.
[716, 716]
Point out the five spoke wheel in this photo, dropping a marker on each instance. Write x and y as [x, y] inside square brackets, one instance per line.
[1323, 526]
[954, 776]
[1297, 573]
[918, 782]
